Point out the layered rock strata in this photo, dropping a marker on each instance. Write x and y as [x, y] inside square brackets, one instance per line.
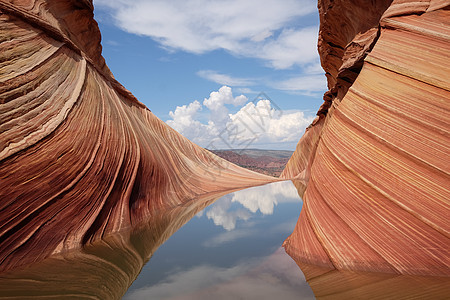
[373, 168]
[104, 268]
[342, 285]
[80, 157]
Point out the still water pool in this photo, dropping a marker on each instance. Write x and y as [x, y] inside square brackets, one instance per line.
[230, 250]
[208, 248]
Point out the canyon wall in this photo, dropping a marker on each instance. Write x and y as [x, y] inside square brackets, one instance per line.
[80, 157]
[104, 268]
[373, 169]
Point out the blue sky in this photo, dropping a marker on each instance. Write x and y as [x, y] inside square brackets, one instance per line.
[201, 65]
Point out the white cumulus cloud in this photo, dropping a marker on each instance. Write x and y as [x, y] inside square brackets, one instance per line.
[217, 101]
[267, 124]
[255, 124]
[223, 96]
[265, 29]
[184, 120]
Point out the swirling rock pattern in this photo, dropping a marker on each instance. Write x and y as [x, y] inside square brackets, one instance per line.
[342, 284]
[103, 269]
[80, 157]
[377, 171]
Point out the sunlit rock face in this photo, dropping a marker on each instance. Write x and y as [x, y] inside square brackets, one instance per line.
[103, 269]
[373, 168]
[80, 157]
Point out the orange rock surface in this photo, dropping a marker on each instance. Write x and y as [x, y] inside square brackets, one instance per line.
[104, 268]
[80, 157]
[342, 285]
[374, 168]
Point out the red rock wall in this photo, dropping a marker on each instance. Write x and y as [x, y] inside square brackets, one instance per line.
[103, 269]
[344, 285]
[80, 157]
[378, 177]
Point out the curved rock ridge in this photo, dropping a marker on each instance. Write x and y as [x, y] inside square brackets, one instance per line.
[373, 168]
[105, 268]
[80, 157]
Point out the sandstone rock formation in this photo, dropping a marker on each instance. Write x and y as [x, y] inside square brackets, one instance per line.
[80, 157]
[103, 269]
[342, 285]
[373, 169]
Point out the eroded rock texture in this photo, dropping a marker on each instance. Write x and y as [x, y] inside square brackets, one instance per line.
[80, 157]
[374, 168]
[342, 285]
[103, 269]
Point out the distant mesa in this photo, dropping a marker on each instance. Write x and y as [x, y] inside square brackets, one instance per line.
[269, 162]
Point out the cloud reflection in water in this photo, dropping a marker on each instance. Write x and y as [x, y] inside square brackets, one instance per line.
[251, 200]
[273, 277]
[234, 251]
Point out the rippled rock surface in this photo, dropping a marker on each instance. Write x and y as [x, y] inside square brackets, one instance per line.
[103, 269]
[342, 284]
[373, 169]
[80, 157]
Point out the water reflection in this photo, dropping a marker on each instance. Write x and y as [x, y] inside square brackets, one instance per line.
[191, 259]
[252, 200]
[104, 269]
[228, 249]
[337, 285]
[233, 251]
[273, 277]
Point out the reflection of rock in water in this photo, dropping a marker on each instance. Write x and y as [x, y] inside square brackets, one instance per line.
[103, 269]
[80, 157]
[374, 167]
[337, 284]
